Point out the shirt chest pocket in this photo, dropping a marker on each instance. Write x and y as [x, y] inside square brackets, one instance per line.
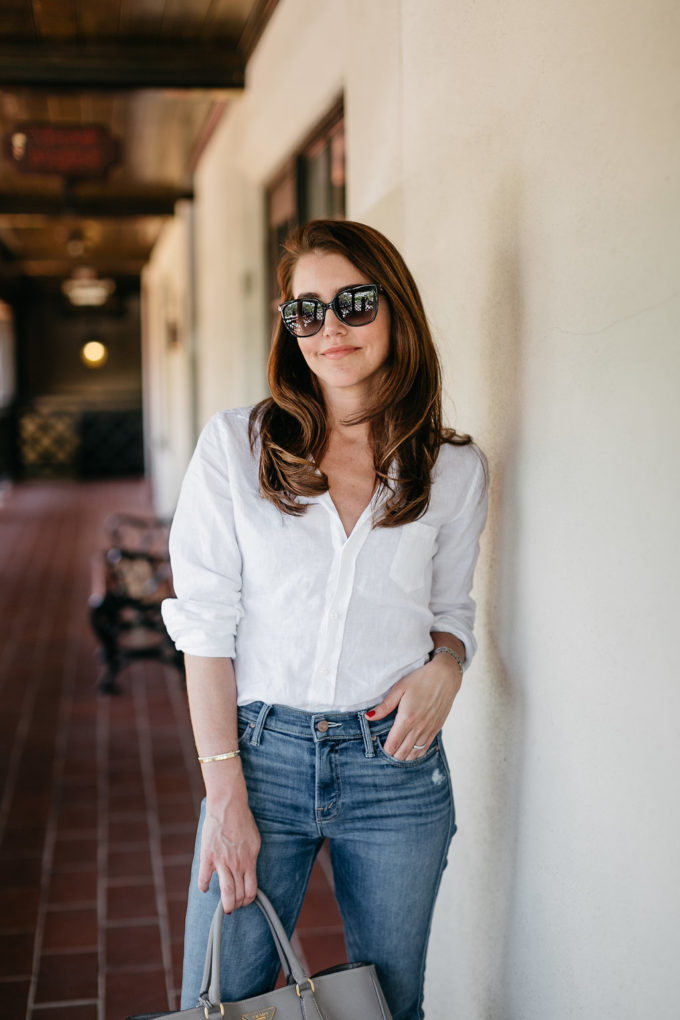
[413, 555]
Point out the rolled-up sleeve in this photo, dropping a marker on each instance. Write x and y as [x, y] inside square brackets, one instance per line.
[204, 554]
[451, 602]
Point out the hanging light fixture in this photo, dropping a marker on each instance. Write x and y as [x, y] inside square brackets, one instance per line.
[85, 288]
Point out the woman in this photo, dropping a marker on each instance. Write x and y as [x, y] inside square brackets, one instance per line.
[323, 551]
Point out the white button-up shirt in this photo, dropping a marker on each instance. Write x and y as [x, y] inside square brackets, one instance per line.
[313, 618]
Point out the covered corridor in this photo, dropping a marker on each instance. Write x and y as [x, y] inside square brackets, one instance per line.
[99, 794]
[525, 160]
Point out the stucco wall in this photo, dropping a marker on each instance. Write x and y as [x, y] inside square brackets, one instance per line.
[525, 158]
[168, 360]
[539, 206]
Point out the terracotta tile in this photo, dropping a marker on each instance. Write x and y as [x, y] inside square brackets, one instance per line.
[130, 830]
[65, 976]
[126, 786]
[83, 751]
[131, 902]
[135, 991]
[177, 879]
[75, 849]
[19, 871]
[173, 811]
[177, 911]
[130, 863]
[16, 955]
[80, 816]
[19, 907]
[127, 801]
[81, 725]
[318, 880]
[82, 1012]
[129, 945]
[30, 806]
[182, 842]
[125, 780]
[173, 784]
[177, 949]
[123, 767]
[322, 951]
[121, 711]
[24, 842]
[70, 929]
[79, 794]
[78, 769]
[14, 997]
[76, 886]
[84, 710]
[319, 910]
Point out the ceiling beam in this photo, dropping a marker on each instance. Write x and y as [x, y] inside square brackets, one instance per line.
[109, 206]
[60, 269]
[121, 67]
[260, 14]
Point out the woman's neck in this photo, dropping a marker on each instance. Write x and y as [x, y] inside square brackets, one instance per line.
[340, 410]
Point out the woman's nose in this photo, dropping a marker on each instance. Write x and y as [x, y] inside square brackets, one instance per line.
[332, 324]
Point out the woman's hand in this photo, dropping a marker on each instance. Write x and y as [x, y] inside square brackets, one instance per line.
[423, 700]
[230, 843]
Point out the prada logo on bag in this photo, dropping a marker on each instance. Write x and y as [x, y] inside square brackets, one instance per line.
[261, 1014]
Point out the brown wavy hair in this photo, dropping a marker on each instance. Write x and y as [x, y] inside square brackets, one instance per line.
[405, 416]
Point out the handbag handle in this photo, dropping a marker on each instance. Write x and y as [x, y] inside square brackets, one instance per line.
[290, 963]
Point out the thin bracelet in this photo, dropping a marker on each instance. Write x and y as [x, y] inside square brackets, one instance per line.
[445, 650]
[220, 757]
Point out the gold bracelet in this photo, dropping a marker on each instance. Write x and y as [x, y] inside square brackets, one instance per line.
[220, 757]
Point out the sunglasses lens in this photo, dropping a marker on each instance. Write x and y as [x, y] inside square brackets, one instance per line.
[357, 306]
[302, 317]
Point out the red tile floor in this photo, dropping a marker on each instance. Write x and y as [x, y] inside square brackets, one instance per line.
[99, 794]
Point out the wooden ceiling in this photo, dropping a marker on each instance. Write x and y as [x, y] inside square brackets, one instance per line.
[157, 75]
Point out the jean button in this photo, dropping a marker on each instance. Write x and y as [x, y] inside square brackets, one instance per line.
[322, 726]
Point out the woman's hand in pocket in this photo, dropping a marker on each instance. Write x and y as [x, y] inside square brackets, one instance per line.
[423, 700]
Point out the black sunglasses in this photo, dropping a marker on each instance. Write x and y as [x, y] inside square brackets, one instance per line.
[353, 306]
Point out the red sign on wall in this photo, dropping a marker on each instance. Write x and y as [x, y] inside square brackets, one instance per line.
[71, 150]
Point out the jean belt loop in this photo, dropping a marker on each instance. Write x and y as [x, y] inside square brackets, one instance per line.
[369, 747]
[259, 724]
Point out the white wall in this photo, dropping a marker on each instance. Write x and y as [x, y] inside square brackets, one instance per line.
[538, 204]
[525, 158]
[168, 365]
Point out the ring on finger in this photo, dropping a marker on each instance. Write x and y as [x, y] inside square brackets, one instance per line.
[419, 747]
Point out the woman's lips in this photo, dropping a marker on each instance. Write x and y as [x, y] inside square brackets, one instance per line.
[338, 352]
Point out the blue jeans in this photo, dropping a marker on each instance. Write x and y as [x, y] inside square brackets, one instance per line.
[312, 776]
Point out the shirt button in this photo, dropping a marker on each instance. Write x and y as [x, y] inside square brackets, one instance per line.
[333, 615]
[324, 671]
[322, 726]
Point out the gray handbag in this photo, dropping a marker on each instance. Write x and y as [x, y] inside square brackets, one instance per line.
[348, 992]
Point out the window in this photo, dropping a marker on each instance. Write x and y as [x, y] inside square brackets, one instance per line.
[310, 186]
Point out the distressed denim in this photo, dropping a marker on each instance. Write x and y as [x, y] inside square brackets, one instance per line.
[316, 776]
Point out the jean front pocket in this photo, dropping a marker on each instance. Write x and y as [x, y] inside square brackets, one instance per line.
[413, 556]
[432, 752]
[245, 730]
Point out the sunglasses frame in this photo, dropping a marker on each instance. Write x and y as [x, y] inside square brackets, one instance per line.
[332, 304]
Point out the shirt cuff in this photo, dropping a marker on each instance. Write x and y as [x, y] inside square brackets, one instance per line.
[201, 628]
[448, 625]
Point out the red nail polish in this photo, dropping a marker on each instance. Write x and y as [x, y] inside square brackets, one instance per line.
[371, 713]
